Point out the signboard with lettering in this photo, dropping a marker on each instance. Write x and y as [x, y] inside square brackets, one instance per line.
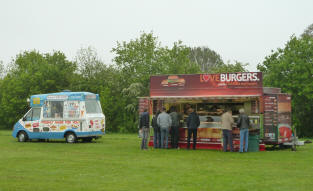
[202, 85]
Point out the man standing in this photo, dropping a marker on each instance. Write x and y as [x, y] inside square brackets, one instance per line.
[144, 126]
[193, 122]
[227, 122]
[243, 124]
[174, 128]
[164, 121]
[156, 131]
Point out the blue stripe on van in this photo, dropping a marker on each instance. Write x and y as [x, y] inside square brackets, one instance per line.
[52, 135]
[17, 127]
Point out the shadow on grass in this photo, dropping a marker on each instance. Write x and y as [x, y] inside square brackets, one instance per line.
[58, 141]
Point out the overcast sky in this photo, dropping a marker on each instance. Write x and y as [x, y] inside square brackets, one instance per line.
[243, 30]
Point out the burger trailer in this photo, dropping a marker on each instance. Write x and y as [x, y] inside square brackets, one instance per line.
[269, 110]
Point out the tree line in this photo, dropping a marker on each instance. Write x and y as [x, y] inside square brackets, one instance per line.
[128, 76]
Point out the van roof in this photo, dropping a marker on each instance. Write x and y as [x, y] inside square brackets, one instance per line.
[39, 99]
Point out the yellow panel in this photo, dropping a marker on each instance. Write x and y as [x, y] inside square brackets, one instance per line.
[36, 100]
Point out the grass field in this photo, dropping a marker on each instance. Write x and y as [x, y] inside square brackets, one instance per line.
[115, 162]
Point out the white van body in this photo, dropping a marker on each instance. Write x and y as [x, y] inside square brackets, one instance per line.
[69, 115]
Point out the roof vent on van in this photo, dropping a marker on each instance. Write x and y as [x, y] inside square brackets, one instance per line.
[66, 91]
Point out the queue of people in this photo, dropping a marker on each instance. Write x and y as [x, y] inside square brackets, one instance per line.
[164, 124]
[243, 124]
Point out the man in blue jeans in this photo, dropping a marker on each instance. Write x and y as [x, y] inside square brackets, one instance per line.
[164, 121]
[243, 123]
[227, 122]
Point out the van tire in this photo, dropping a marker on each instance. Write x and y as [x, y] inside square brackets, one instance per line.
[70, 137]
[22, 136]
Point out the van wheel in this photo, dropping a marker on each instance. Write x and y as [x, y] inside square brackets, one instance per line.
[70, 138]
[22, 136]
[87, 139]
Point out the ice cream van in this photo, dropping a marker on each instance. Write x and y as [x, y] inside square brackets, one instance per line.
[69, 115]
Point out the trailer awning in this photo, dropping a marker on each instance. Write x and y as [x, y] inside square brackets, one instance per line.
[204, 98]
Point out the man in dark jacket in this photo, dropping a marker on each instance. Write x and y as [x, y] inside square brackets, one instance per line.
[156, 131]
[243, 123]
[174, 128]
[193, 122]
[144, 125]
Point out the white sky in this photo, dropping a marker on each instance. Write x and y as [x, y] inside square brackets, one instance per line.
[243, 30]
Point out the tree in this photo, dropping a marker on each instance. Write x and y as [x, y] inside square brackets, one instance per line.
[291, 69]
[230, 68]
[2, 71]
[176, 60]
[308, 31]
[32, 73]
[205, 58]
[138, 59]
[92, 72]
[144, 56]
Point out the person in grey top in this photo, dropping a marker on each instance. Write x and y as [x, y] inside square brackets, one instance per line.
[243, 123]
[164, 121]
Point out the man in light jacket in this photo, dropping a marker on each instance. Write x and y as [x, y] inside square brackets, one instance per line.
[227, 122]
[164, 121]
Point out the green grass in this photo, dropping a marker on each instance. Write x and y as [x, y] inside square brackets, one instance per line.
[115, 162]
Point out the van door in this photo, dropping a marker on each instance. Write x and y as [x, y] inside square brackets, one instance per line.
[94, 116]
[31, 120]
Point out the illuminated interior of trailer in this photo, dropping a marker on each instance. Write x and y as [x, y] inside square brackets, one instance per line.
[210, 109]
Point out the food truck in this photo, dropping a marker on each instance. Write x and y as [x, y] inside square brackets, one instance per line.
[69, 115]
[269, 110]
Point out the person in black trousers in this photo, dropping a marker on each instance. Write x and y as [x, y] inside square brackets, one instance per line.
[174, 128]
[144, 124]
[156, 131]
[193, 122]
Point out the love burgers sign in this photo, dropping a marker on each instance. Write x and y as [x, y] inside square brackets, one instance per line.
[244, 83]
[239, 79]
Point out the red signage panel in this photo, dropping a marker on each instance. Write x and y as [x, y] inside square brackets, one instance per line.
[202, 85]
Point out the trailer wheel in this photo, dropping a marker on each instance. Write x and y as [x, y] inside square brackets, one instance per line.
[71, 137]
[22, 136]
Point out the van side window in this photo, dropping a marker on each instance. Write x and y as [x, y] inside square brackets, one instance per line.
[53, 109]
[33, 114]
[71, 109]
[36, 114]
[28, 116]
[92, 106]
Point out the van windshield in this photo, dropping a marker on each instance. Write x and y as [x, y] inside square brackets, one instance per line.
[93, 106]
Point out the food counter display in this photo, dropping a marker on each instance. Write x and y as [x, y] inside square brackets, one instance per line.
[210, 134]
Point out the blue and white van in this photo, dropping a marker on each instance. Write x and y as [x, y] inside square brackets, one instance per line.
[69, 115]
